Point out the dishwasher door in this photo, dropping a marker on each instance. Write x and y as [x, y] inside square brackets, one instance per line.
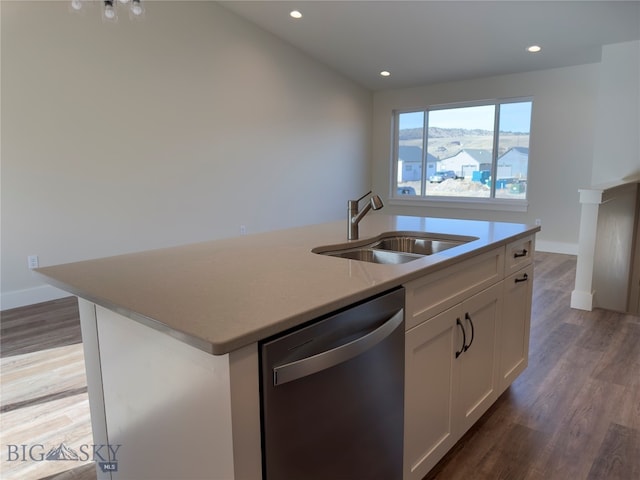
[333, 396]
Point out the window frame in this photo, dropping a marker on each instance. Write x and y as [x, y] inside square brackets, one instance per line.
[473, 203]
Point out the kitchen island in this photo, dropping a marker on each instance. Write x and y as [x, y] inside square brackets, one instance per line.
[171, 335]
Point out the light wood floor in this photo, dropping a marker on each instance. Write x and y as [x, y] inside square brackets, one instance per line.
[573, 414]
[43, 391]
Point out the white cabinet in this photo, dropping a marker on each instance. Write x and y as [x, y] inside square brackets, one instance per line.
[467, 339]
[450, 377]
[478, 363]
[516, 316]
[516, 322]
[438, 291]
[519, 254]
[431, 377]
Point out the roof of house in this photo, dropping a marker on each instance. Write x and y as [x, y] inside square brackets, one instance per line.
[479, 155]
[411, 153]
[514, 152]
[482, 156]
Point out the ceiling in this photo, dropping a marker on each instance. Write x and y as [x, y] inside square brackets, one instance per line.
[426, 42]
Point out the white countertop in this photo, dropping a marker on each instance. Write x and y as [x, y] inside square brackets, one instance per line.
[224, 294]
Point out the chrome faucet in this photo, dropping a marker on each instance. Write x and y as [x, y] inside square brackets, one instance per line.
[354, 216]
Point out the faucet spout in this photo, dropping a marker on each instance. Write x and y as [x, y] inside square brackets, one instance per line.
[354, 216]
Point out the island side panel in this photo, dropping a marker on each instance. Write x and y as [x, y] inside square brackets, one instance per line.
[245, 402]
[89, 329]
[166, 403]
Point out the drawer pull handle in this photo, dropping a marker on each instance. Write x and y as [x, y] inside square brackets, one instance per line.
[523, 253]
[524, 278]
[464, 338]
[468, 318]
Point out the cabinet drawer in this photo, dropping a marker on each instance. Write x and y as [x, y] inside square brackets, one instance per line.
[516, 324]
[519, 254]
[434, 293]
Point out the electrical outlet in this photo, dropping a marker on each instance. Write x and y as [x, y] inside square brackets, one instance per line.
[243, 229]
[32, 261]
[538, 222]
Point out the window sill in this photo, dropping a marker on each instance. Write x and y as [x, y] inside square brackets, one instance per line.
[466, 203]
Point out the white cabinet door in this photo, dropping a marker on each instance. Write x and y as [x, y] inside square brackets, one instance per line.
[478, 364]
[516, 320]
[430, 385]
[467, 340]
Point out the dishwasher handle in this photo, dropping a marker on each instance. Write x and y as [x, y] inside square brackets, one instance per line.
[321, 361]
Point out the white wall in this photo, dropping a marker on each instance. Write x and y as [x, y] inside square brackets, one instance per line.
[617, 141]
[125, 137]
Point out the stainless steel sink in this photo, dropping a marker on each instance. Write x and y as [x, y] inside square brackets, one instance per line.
[417, 245]
[374, 256]
[394, 248]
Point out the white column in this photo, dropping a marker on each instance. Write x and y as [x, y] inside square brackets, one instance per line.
[606, 246]
[582, 295]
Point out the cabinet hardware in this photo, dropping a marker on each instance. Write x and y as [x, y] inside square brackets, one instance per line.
[464, 338]
[468, 317]
[524, 278]
[522, 253]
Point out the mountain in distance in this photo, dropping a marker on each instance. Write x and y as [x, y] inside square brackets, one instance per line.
[62, 452]
[437, 132]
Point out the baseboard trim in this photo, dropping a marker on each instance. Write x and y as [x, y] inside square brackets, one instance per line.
[582, 300]
[30, 296]
[556, 247]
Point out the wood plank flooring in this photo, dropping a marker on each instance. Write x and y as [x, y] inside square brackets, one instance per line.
[38, 327]
[573, 414]
[43, 400]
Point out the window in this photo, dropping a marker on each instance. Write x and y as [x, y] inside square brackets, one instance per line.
[474, 152]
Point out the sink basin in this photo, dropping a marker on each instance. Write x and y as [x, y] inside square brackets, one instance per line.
[374, 256]
[394, 248]
[417, 245]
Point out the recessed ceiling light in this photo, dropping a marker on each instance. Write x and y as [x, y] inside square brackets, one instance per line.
[295, 14]
[384, 73]
[534, 48]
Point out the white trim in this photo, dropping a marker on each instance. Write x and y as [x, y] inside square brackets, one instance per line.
[29, 296]
[590, 196]
[556, 247]
[604, 193]
[582, 300]
[503, 205]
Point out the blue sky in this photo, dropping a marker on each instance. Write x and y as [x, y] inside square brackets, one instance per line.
[514, 117]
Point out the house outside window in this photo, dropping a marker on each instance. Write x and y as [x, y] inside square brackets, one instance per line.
[476, 153]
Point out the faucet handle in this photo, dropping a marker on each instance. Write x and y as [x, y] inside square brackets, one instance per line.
[363, 196]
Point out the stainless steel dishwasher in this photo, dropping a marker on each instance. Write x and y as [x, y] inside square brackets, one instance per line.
[333, 395]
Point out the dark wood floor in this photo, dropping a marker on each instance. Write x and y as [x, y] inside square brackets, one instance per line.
[573, 414]
[39, 327]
